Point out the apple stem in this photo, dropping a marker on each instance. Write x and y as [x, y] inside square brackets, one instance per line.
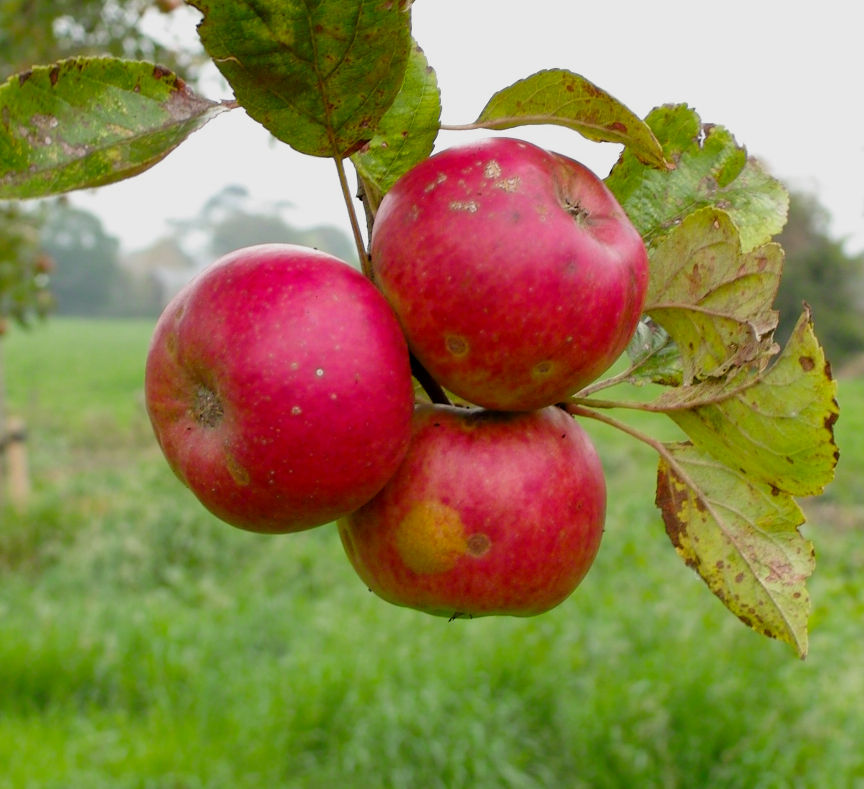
[430, 385]
[365, 261]
[576, 409]
[658, 446]
[633, 405]
[614, 380]
[368, 209]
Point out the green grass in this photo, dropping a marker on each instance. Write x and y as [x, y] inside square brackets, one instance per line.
[144, 644]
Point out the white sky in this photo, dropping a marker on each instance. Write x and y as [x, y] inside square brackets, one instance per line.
[784, 78]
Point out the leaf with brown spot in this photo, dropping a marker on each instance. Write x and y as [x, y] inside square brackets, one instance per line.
[713, 299]
[776, 424]
[742, 538]
[87, 122]
[318, 76]
[701, 263]
[562, 98]
[710, 169]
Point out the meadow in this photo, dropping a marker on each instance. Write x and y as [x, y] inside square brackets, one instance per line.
[145, 645]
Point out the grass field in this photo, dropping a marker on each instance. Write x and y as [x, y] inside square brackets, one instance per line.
[144, 644]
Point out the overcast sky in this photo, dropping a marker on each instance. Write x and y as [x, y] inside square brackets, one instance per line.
[784, 78]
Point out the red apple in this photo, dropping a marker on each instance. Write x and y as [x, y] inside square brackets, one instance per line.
[489, 513]
[279, 388]
[516, 275]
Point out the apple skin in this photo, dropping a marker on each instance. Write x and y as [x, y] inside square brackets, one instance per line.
[489, 513]
[516, 275]
[279, 388]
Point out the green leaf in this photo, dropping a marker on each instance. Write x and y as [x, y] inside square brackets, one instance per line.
[562, 98]
[406, 134]
[775, 426]
[318, 75]
[710, 169]
[87, 122]
[714, 301]
[742, 537]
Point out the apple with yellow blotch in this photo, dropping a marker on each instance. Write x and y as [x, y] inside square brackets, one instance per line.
[488, 513]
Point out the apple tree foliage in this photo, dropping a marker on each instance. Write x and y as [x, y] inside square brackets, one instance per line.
[24, 267]
[345, 79]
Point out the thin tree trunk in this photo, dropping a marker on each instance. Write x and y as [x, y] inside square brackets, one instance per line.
[3, 429]
[17, 465]
[14, 465]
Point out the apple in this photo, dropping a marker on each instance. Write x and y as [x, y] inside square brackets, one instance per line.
[516, 275]
[489, 513]
[279, 388]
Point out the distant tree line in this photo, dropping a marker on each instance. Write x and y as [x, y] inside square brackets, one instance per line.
[821, 272]
[87, 276]
[229, 220]
[91, 276]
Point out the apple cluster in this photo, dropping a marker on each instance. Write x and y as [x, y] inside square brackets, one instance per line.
[279, 381]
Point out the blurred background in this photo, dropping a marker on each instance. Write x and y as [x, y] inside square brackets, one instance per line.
[145, 644]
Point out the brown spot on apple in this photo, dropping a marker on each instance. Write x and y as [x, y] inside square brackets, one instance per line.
[456, 345]
[576, 210]
[508, 184]
[478, 545]
[171, 344]
[431, 537]
[492, 170]
[437, 182]
[543, 369]
[207, 409]
[238, 473]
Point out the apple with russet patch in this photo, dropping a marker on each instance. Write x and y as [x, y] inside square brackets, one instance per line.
[515, 273]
